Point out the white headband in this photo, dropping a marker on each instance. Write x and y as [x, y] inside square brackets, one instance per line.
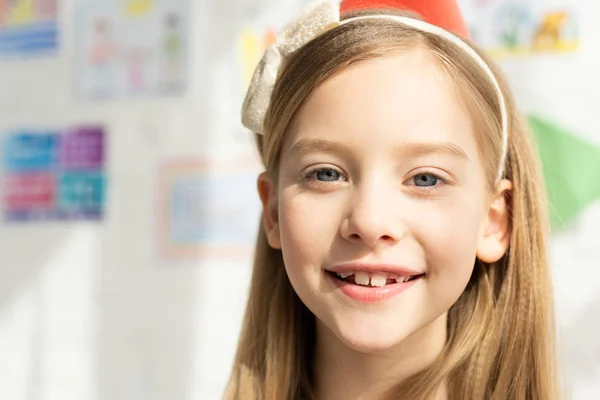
[317, 18]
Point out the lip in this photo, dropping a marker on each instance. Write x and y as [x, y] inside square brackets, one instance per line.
[389, 268]
[368, 294]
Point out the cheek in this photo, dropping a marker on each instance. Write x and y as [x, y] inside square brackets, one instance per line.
[449, 237]
[308, 226]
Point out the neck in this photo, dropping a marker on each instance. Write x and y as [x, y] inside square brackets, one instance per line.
[344, 373]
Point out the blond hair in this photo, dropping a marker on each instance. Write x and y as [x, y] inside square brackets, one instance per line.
[501, 342]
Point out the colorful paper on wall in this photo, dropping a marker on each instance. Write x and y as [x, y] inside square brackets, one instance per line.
[132, 48]
[571, 167]
[28, 28]
[207, 209]
[54, 175]
[512, 28]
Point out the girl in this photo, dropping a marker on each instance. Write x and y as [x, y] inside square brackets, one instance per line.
[402, 253]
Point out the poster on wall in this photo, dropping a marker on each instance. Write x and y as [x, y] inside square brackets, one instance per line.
[207, 209]
[132, 48]
[28, 28]
[53, 175]
[516, 28]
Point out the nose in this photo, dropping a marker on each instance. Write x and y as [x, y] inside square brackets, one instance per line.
[373, 218]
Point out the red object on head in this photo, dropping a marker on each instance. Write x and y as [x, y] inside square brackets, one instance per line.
[443, 13]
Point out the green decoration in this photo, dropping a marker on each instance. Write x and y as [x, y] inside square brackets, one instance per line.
[571, 168]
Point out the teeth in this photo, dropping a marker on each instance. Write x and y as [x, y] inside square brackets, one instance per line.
[361, 278]
[344, 275]
[378, 279]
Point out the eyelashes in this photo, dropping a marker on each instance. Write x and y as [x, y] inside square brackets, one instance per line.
[330, 177]
[427, 180]
[324, 174]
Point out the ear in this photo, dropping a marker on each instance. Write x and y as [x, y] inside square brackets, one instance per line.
[267, 190]
[495, 236]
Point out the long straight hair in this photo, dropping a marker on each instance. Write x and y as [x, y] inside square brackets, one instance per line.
[501, 341]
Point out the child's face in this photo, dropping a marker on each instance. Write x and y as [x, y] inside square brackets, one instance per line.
[380, 172]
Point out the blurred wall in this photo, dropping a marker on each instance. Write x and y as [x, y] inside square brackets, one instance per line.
[86, 310]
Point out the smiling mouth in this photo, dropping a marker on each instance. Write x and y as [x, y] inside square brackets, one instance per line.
[372, 279]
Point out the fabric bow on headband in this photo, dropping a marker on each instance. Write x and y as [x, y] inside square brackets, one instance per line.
[317, 18]
[323, 15]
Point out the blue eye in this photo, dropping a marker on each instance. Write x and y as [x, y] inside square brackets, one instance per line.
[426, 180]
[327, 175]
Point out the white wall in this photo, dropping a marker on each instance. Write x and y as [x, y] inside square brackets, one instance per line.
[87, 311]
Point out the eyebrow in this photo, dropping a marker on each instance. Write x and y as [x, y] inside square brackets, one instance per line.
[442, 148]
[306, 146]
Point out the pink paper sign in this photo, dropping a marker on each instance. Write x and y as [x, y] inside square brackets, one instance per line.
[29, 191]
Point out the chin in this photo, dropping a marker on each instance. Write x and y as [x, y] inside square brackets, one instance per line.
[371, 337]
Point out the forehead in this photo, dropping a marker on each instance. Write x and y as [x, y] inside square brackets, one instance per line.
[389, 101]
